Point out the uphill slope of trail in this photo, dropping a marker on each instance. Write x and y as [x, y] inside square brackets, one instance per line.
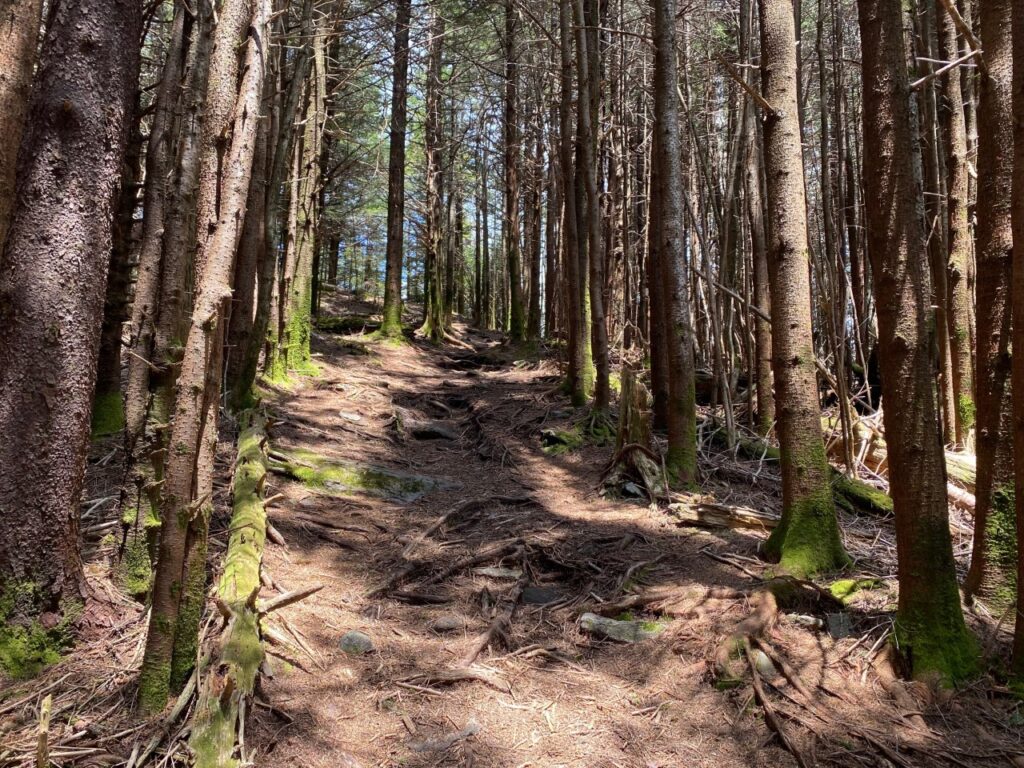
[484, 604]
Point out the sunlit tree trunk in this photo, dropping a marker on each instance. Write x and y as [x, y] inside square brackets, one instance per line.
[19, 33]
[807, 539]
[391, 324]
[228, 142]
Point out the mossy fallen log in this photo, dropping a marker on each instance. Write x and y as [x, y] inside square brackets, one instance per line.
[231, 677]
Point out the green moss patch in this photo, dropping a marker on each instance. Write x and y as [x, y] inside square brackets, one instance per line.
[107, 414]
[27, 647]
[555, 442]
[344, 478]
[347, 324]
[845, 589]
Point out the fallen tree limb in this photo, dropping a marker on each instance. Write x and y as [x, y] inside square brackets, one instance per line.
[232, 675]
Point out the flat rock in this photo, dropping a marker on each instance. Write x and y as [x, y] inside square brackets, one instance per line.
[616, 629]
[534, 595]
[356, 643]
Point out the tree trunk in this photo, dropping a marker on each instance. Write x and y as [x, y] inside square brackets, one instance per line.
[159, 152]
[578, 377]
[590, 214]
[513, 257]
[1017, 666]
[929, 622]
[681, 460]
[51, 292]
[391, 324]
[108, 404]
[993, 560]
[19, 33]
[434, 313]
[959, 245]
[233, 110]
[806, 540]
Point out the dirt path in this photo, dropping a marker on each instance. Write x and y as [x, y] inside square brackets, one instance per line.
[552, 696]
[541, 691]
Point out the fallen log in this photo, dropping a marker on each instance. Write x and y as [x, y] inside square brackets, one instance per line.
[230, 680]
[232, 675]
[708, 515]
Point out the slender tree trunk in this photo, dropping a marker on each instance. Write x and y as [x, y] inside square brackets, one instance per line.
[517, 310]
[252, 265]
[930, 627]
[681, 460]
[590, 215]
[233, 116]
[391, 324]
[807, 539]
[108, 404]
[993, 560]
[19, 33]
[959, 254]
[753, 182]
[159, 152]
[578, 373]
[434, 312]
[51, 292]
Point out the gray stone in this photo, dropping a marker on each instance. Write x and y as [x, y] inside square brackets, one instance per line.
[839, 625]
[535, 595]
[615, 629]
[356, 643]
[449, 622]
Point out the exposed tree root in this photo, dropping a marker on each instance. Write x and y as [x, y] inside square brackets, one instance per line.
[764, 609]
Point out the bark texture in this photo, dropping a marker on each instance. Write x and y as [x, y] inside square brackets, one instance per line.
[993, 561]
[392, 314]
[19, 33]
[681, 460]
[930, 628]
[237, 102]
[806, 540]
[52, 289]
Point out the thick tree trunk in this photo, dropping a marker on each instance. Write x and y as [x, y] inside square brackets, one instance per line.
[681, 460]
[993, 560]
[233, 115]
[806, 540]
[929, 622]
[19, 33]
[1017, 666]
[52, 288]
[392, 314]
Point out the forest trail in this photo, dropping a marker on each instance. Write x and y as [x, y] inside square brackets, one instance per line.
[544, 692]
[552, 695]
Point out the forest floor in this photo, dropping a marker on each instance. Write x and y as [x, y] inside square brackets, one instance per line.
[484, 530]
